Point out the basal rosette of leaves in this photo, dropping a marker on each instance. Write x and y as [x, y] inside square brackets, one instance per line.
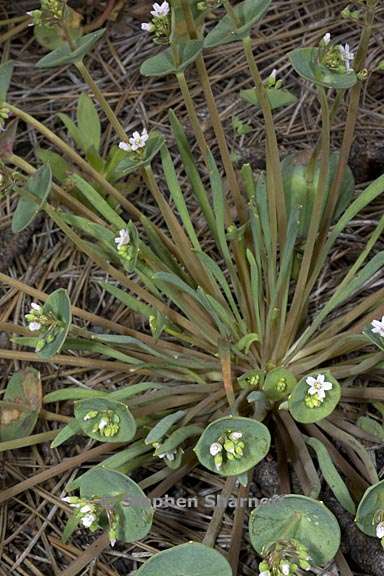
[233, 365]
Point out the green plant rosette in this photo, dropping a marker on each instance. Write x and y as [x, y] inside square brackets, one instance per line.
[301, 412]
[256, 438]
[191, 559]
[279, 377]
[164, 63]
[300, 193]
[133, 508]
[371, 503]
[127, 424]
[300, 518]
[305, 62]
[248, 13]
[21, 404]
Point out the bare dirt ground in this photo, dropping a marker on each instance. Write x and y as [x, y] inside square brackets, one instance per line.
[31, 522]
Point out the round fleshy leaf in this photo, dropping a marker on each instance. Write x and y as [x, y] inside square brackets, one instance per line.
[191, 559]
[164, 63]
[131, 505]
[298, 517]
[123, 164]
[371, 503]
[252, 380]
[39, 185]
[300, 193]
[255, 436]
[89, 412]
[301, 412]
[248, 13]
[305, 62]
[59, 305]
[278, 97]
[279, 383]
[21, 405]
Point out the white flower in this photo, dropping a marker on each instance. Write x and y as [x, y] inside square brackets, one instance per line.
[273, 75]
[86, 509]
[160, 10]
[147, 26]
[378, 327]
[235, 436]
[326, 39]
[72, 501]
[138, 141]
[35, 306]
[318, 386]
[347, 56]
[168, 455]
[34, 326]
[215, 448]
[112, 542]
[265, 573]
[285, 568]
[122, 239]
[102, 423]
[88, 520]
[124, 146]
[380, 530]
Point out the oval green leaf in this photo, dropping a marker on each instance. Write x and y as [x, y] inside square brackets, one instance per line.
[255, 436]
[133, 508]
[248, 13]
[59, 305]
[305, 62]
[191, 559]
[65, 55]
[39, 185]
[84, 410]
[279, 383]
[21, 405]
[301, 412]
[278, 97]
[164, 63]
[299, 517]
[371, 503]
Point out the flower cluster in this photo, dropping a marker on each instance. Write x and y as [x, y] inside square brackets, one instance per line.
[170, 456]
[50, 14]
[127, 246]
[89, 512]
[136, 143]
[337, 58]
[45, 324]
[108, 423]
[318, 387]
[378, 519]
[160, 25]
[378, 327]
[285, 558]
[272, 81]
[229, 446]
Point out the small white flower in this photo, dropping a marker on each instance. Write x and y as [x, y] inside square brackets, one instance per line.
[235, 436]
[326, 39]
[160, 10]
[147, 26]
[112, 542]
[285, 568]
[72, 501]
[347, 55]
[102, 423]
[168, 455]
[86, 508]
[34, 326]
[138, 141]
[88, 520]
[215, 448]
[265, 573]
[380, 530]
[273, 75]
[378, 327]
[122, 239]
[35, 306]
[124, 146]
[318, 386]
